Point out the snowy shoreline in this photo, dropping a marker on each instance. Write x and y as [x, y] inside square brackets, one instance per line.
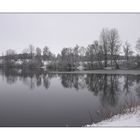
[130, 119]
[130, 72]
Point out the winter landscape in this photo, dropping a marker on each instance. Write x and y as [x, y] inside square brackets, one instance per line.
[80, 70]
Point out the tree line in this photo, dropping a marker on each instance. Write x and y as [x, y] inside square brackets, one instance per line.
[106, 52]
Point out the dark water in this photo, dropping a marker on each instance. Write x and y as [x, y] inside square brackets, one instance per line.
[35, 98]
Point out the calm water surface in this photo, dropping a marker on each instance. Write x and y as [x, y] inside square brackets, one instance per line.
[36, 98]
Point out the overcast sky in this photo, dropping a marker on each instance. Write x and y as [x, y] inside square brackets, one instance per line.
[57, 31]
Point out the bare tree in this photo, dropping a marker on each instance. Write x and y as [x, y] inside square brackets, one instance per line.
[114, 45]
[46, 52]
[104, 43]
[10, 57]
[127, 50]
[138, 45]
[138, 52]
[82, 51]
[67, 58]
[38, 51]
[95, 53]
[38, 58]
[10, 52]
[76, 54]
[31, 50]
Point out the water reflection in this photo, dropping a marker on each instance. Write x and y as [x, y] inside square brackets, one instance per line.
[94, 82]
[31, 78]
[76, 81]
[107, 85]
[96, 91]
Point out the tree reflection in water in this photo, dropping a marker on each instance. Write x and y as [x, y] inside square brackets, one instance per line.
[32, 78]
[76, 81]
[106, 86]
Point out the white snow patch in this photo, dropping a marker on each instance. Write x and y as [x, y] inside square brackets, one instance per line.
[80, 68]
[129, 119]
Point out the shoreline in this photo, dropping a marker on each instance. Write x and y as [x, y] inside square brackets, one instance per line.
[122, 72]
[101, 71]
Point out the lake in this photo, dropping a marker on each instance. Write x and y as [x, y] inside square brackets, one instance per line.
[38, 98]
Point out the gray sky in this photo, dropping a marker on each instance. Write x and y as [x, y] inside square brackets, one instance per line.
[57, 31]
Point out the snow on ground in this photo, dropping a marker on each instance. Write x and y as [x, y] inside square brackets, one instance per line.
[129, 119]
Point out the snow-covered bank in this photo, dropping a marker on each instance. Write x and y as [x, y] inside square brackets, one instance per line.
[129, 119]
[123, 72]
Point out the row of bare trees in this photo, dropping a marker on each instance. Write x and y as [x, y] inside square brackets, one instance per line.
[107, 51]
[100, 54]
[30, 57]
